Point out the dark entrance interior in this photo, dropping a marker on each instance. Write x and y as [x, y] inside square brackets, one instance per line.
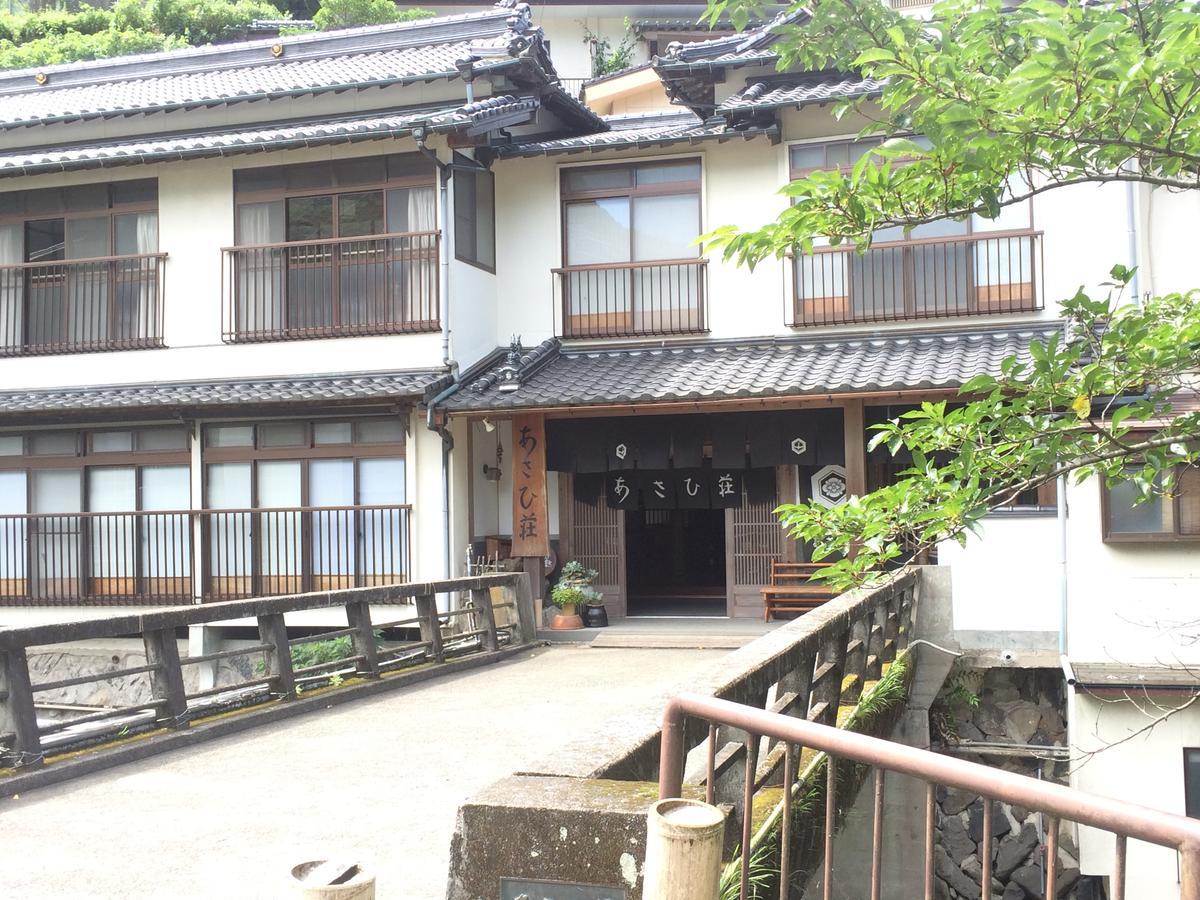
[675, 562]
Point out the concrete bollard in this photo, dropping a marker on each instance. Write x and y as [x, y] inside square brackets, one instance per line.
[332, 880]
[683, 851]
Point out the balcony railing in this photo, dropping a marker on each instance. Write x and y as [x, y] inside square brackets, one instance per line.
[918, 279]
[82, 305]
[149, 557]
[617, 300]
[375, 284]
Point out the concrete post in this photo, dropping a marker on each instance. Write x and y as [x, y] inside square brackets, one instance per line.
[683, 851]
[203, 640]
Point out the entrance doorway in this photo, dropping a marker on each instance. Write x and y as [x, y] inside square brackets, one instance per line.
[675, 562]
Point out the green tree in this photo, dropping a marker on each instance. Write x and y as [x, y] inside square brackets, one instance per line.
[333, 14]
[1010, 103]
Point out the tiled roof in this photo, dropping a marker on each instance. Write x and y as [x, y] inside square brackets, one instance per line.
[745, 48]
[558, 376]
[800, 89]
[171, 396]
[422, 50]
[492, 112]
[648, 130]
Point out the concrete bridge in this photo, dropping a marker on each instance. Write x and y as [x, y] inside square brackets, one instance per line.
[379, 780]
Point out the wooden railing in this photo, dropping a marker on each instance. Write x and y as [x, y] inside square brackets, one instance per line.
[130, 558]
[614, 300]
[472, 628]
[974, 275]
[82, 305]
[374, 284]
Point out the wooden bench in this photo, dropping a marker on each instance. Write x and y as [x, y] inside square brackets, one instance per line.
[793, 590]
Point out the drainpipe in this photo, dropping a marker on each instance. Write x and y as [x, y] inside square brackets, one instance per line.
[444, 170]
[1134, 245]
[1061, 514]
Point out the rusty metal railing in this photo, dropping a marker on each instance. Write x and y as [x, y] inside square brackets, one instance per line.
[1056, 802]
[373, 284]
[932, 278]
[620, 300]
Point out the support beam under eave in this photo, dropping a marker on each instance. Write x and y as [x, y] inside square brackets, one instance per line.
[856, 447]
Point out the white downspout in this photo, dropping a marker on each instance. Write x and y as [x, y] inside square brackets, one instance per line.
[1063, 581]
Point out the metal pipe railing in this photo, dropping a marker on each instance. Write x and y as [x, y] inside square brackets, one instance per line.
[980, 274]
[82, 305]
[615, 300]
[1057, 802]
[372, 284]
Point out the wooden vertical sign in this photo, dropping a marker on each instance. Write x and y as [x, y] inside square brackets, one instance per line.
[531, 512]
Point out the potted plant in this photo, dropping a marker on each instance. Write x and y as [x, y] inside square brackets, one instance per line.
[594, 613]
[570, 594]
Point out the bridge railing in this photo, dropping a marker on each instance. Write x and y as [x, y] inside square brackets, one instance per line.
[793, 735]
[24, 741]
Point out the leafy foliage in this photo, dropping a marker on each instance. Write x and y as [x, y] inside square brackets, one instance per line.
[333, 14]
[607, 59]
[1014, 101]
[1009, 103]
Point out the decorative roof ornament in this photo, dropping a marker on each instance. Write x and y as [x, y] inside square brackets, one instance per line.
[510, 372]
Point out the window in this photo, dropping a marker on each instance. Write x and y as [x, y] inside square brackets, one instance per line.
[1191, 781]
[79, 268]
[944, 268]
[632, 264]
[337, 247]
[474, 216]
[1159, 518]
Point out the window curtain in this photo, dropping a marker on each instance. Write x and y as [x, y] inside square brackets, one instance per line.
[260, 273]
[12, 287]
[415, 259]
[88, 313]
[666, 298]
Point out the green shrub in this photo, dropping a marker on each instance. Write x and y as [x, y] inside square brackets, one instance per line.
[333, 14]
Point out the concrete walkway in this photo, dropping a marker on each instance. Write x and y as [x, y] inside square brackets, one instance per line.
[378, 780]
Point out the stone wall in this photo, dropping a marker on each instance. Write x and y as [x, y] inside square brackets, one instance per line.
[1023, 709]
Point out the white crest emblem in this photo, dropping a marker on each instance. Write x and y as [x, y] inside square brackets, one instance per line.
[799, 446]
[622, 451]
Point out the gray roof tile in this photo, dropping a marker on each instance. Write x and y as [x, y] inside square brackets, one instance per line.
[653, 129]
[800, 89]
[745, 48]
[426, 49]
[559, 376]
[493, 110]
[171, 396]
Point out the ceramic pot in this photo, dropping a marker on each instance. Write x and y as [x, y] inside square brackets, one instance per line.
[567, 620]
[595, 616]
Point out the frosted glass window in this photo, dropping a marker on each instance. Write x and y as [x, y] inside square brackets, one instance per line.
[279, 483]
[666, 227]
[808, 156]
[1129, 517]
[112, 490]
[282, 434]
[598, 232]
[669, 172]
[12, 493]
[53, 443]
[11, 445]
[380, 431]
[112, 441]
[331, 482]
[602, 178]
[166, 487]
[56, 490]
[162, 439]
[228, 485]
[332, 433]
[380, 481]
[229, 436]
[13, 532]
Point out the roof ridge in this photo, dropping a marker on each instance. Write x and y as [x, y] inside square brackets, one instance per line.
[325, 43]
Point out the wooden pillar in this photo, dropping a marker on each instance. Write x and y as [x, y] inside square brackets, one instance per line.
[358, 617]
[854, 432]
[273, 630]
[21, 716]
[481, 600]
[431, 626]
[166, 680]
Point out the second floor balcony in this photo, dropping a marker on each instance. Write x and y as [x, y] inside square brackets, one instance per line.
[374, 284]
[633, 299]
[971, 275]
[82, 305]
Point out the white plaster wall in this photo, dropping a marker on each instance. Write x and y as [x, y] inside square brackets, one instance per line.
[1007, 577]
[1129, 603]
[492, 500]
[1169, 261]
[1147, 770]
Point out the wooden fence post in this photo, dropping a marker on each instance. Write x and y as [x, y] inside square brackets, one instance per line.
[481, 601]
[523, 600]
[431, 628]
[166, 679]
[22, 716]
[358, 617]
[272, 630]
